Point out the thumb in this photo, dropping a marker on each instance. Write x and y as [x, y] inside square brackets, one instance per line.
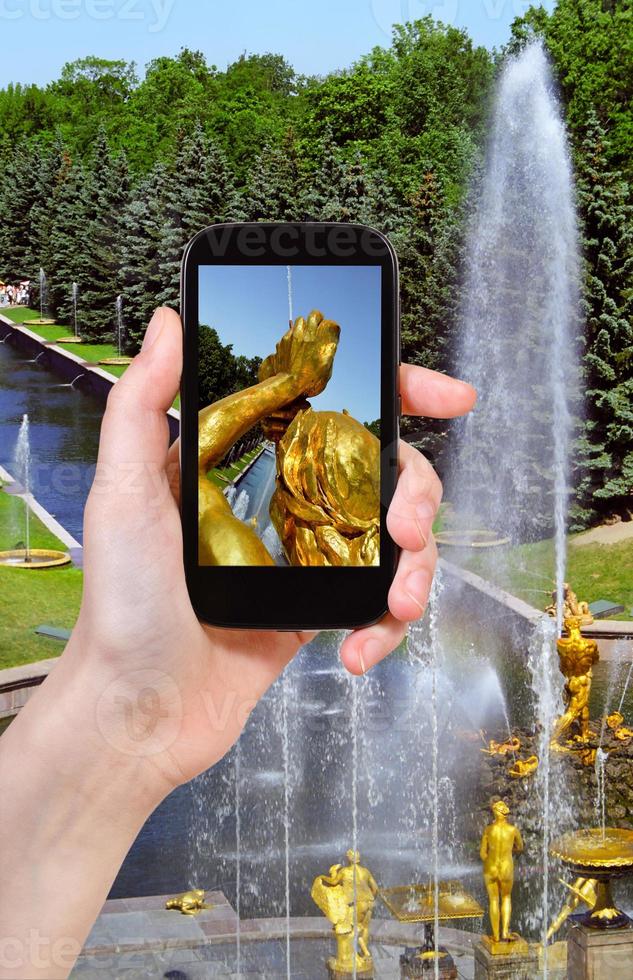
[134, 433]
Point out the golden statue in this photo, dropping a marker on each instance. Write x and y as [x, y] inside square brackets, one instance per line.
[571, 606]
[583, 890]
[510, 746]
[336, 894]
[326, 503]
[577, 656]
[615, 721]
[500, 841]
[189, 903]
[524, 767]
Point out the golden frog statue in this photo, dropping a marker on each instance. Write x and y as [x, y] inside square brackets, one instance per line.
[189, 903]
[326, 503]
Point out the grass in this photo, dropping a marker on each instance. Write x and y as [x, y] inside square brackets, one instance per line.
[91, 352]
[226, 475]
[595, 571]
[31, 598]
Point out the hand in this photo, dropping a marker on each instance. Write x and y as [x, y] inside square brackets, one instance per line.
[306, 354]
[136, 615]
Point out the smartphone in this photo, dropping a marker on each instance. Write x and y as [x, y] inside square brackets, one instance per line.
[289, 424]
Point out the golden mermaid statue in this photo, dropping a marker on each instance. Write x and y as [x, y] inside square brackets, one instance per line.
[326, 503]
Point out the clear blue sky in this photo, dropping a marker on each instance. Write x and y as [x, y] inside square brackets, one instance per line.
[248, 306]
[39, 36]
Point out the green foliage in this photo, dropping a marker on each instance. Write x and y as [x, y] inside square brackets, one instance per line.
[220, 372]
[607, 446]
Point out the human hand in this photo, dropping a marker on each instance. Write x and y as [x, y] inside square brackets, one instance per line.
[306, 354]
[137, 625]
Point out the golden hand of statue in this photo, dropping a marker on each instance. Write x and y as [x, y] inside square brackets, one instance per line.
[305, 354]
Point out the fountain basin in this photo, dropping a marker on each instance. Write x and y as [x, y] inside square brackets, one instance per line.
[470, 539]
[69, 340]
[116, 360]
[40, 321]
[602, 855]
[37, 558]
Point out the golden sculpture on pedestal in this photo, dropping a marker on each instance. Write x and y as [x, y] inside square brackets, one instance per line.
[326, 504]
[346, 896]
[189, 903]
[600, 854]
[501, 840]
[571, 606]
[582, 890]
[577, 656]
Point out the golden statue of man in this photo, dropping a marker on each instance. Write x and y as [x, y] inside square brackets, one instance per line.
[346, 897]
[499, 843]
[326, 503]
[576, 656]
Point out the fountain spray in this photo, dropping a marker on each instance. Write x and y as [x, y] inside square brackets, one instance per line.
[23, 467]
[75, 293]
[119, 322]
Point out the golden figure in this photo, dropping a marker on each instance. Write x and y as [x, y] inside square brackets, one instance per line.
[326, 504]
[577, 656]
[189, 903]
[500, 841]
[524, 767]
[336, 895]
[511, 745]
[571, 606]
[615, 722]
[583, 890]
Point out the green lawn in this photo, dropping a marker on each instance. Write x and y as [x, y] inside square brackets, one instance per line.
[595, 571]
[226, 475]
[32, 598]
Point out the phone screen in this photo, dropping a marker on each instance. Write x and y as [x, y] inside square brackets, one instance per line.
[289, 396]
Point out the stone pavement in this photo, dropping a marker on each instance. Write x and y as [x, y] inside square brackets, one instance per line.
[137, 939]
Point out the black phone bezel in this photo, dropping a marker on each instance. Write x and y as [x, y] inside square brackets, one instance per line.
[288, 598]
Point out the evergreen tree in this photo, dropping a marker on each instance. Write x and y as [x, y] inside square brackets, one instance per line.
[18, 195]
[106, 193]
[275, 189]
[200, 192]
[607, 446]
[48, 169]
[142, 280]
[322, 199]
[63, 252]
[428, 252]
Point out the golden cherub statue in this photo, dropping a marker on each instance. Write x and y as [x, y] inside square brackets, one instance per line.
[577, 656]
[500, 841]
[335, 894]
[189, 903]
[571, 605]
[326, 503]
[583, 890]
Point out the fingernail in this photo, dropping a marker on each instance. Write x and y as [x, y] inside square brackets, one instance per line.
[417, 586]
[154, 328]
[370, 654]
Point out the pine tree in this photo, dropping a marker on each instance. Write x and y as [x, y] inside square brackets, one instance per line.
[322, 198]
[48, 169]
[142, 280]
[200, 192]
[63, 252]
[428, 251]
[18, 195]
[275, 189]
[607, 446]
[107, 194]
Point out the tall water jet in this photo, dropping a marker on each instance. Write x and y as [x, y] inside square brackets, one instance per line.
[23, 470]
[75, 294]
[518, 316]
[43, 293]
[119, 323]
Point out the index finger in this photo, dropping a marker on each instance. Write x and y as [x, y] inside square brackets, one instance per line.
[435, 395]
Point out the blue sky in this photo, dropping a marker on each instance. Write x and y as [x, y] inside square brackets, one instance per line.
[39, 36]
[248, 306]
